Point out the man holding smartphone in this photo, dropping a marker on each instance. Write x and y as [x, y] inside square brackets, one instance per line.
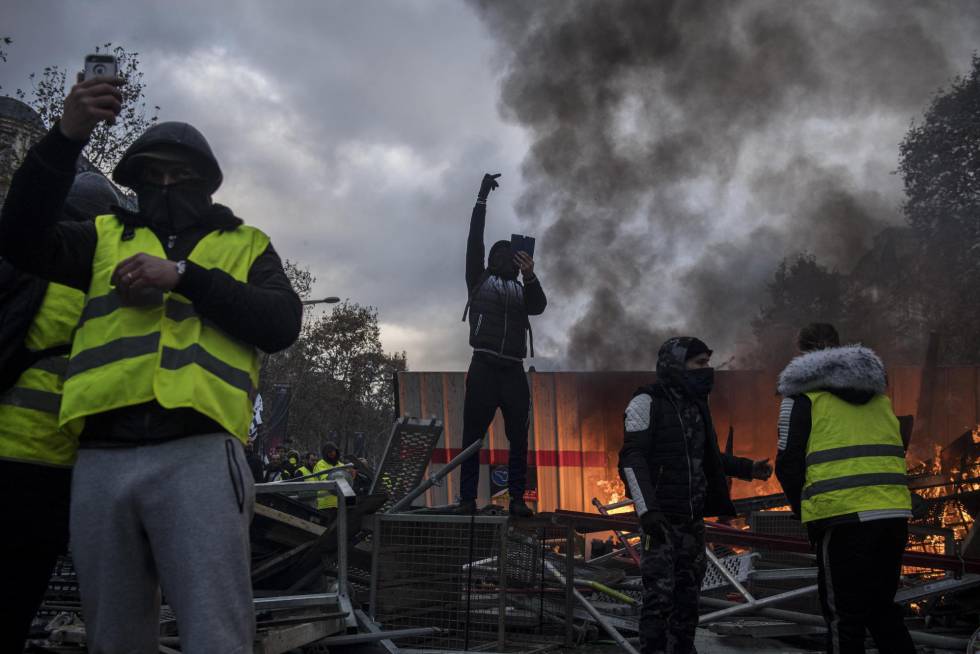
[498, 310]
[179, 299]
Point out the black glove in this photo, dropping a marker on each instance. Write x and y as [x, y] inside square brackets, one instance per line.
[488, 184]
[652, 522]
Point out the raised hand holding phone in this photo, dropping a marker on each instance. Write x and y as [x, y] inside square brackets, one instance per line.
[95, 98]
[524, 261]
[100, 65]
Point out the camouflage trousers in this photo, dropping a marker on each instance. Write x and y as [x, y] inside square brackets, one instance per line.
[672, 566]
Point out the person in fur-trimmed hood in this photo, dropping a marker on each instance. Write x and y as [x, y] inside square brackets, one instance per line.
[841, 463]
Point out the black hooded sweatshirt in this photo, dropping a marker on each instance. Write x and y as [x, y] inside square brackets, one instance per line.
[670, 461]
[264, 312]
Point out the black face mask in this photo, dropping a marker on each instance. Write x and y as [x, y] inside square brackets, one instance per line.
[176, 206]
[332, 459]
[700, 381]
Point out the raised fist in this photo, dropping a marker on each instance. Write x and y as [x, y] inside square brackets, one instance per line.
[488, 184]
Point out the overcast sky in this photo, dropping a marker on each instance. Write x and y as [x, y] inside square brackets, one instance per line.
[355, 134]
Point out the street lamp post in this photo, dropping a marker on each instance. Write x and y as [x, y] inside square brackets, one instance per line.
[327, 300]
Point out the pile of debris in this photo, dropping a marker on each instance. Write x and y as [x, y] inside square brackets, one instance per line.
[412, 579]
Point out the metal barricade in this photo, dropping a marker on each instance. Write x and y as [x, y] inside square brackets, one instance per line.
[487, 582]
[331, 612]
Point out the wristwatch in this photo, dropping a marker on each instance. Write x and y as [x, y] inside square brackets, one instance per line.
[181, 267]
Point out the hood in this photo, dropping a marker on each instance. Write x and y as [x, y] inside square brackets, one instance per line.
[852, 372]
[496, 246]
[672, 361]
[511, 271]
[171, 134]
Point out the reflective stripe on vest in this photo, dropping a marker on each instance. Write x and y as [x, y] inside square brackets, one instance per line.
[29, 428]
[855, 460]
[161, 349]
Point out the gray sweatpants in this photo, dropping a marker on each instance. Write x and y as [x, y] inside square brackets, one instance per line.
[173, 516]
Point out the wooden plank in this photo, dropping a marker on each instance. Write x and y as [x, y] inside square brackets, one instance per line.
[977, 395]
[592, 397]
[567, 428]
[532, 442]
[431, 402]
[961, 402]
[409, 394]
[285, 518]
[453, 393]
[279, 640]
[543, 397]
[903, 388]
[924, 433]
[763, 442]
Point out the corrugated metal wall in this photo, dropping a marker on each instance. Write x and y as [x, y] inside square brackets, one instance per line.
[577, 430]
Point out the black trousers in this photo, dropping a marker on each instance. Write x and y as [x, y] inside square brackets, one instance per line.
[858, 569]
[34, 501]
[493, 384]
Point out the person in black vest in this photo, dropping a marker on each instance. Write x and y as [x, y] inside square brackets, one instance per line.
[676, 475]
[498, 308]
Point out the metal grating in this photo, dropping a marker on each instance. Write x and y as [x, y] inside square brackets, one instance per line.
[405, 458]
[448, 572]
[781, 523]
[778, 523]
[740, 565]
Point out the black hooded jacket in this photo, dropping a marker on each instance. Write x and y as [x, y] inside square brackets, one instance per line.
[853, 373]
[264, 312]
[499, 305]
[670, 461]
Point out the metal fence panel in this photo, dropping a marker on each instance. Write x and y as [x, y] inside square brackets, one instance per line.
[405, 458]
[486, 582]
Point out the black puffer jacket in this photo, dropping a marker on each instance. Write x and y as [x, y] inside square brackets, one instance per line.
[498, 318]
[499, 306]
[658, 462]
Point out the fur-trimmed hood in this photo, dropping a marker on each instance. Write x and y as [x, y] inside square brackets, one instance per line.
[853, 372]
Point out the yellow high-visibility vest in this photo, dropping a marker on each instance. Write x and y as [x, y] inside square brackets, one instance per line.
[855, 461]
[29, 428]
[325, 499]
[127, 355]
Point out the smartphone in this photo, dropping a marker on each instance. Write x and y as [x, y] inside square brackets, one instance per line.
[100, 65]
[521, 243]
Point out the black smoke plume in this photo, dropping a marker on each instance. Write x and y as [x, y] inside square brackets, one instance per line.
[681, 149]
